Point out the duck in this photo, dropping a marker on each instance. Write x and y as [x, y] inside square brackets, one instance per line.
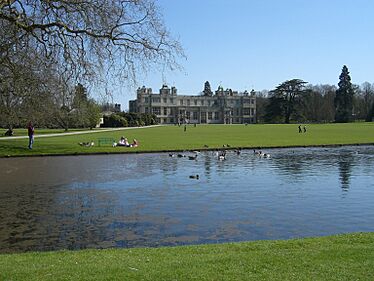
[222, 155]
[264, 155]
[171, 154]
[237, 151]
[181, 155]
[192, 157]
[194, 177]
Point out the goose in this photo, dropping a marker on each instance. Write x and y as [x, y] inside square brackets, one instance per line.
[181, 155]
[194, 177]
[171, 154]
[222, 155]
[257, 152]
[192, 157]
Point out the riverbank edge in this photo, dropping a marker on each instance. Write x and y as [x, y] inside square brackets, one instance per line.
[348, 256]
[182, 150]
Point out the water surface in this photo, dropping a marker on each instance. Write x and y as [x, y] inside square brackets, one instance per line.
[76, 202]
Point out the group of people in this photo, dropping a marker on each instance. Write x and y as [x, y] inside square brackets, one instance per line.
[124, 142]
[304, 129]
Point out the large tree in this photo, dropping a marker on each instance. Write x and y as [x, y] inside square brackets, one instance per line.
[318, 103]
[285, 100]
[344, 97]
[47, 47]
[367, 100]
[123, 36]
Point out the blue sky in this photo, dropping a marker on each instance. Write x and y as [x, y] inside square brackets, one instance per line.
[245, 44]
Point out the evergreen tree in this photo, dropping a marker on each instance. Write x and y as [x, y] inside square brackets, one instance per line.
[207, 90]
[285, 100]
[344, 97]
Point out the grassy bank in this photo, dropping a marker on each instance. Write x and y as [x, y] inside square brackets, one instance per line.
[342, 257]
[212, 136]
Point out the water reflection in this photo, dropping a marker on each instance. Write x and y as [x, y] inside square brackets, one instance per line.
[150, 200]
[345, 168]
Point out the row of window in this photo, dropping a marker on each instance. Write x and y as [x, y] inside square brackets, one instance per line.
[157, 110]
[234, 120]
[196, 102]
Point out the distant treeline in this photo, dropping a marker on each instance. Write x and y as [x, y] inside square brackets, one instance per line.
[316, 103]
[124, 119]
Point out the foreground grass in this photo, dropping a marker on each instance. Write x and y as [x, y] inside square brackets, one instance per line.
[342, 257]
[214, 136]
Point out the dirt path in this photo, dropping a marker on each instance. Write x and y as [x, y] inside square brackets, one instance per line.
[76, 133]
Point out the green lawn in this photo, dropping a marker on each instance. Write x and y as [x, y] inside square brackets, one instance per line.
[214, 136]
[23, 132]
[342, 257]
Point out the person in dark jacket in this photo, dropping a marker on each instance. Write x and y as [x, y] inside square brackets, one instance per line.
[30, 132]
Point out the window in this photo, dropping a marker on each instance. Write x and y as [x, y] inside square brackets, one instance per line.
[156, 110]
[252, 101]
[245, 111]
[146, 100]
[146, 110]
[252, 111]
[165, 111]
[187, 114]
[195, 102]
[156, 100]
[165, 100]
[203, 117]
[171, 100]
[216, 115]
[210, 115]
[181, 102]
[188, 102]
[195, 115]
[202, 102]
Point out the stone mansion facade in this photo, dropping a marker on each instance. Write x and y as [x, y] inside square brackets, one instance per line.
[223, 107]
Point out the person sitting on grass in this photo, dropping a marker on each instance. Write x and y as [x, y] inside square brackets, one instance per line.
[9, 132]
[135, 143]
[88, 144]
[123, 142]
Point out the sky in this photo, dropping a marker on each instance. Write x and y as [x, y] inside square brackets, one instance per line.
[258, 44]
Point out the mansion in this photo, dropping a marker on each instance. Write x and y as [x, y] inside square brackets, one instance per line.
[223, 107]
